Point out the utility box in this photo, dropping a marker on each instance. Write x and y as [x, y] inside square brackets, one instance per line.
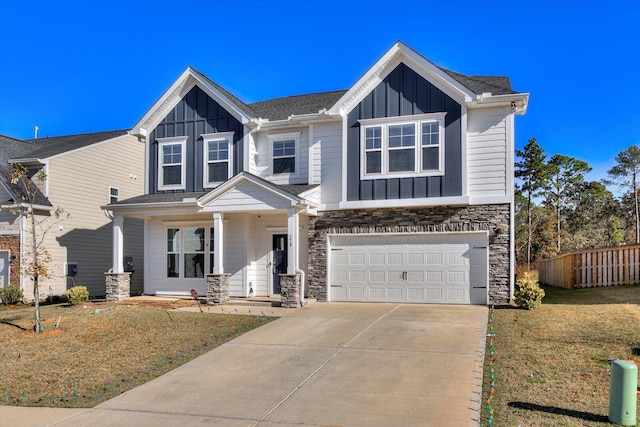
[623, 398]
[128, 264]
[71, 269]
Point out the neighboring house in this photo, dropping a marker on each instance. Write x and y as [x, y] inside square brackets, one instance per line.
[397, 189]
[83, 172]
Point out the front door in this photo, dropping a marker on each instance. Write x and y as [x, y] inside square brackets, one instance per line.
[279, 256]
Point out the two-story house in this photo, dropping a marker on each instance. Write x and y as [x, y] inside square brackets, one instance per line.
[83, 172]
[397, 189]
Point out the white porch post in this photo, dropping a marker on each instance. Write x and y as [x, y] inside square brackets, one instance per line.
[293, 233]
[218, 244]
[118, 244]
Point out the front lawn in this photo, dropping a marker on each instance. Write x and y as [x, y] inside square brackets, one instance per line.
[101, 350]
[551, 363]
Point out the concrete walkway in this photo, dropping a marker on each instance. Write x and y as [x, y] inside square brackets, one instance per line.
[328, 364]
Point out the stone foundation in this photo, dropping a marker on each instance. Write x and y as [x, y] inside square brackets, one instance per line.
[217, 288]
[491, 218]
[290, 291]
[118, 285]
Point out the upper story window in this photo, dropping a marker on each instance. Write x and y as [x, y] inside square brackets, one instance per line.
[114, 194]
[218, 157]
[402, 146]
[171, 167]
[285, 153]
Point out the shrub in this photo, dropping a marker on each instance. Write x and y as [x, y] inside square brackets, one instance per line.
[77, 294]
[528, 295]
[11, 294]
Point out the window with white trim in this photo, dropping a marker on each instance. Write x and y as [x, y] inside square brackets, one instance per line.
[218, 158]
[114, 194]
[404, 146]
[171, 163]
[285, 153]
[187, 252]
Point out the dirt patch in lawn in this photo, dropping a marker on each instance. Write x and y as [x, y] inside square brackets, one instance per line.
[100, 350]
[551, 363]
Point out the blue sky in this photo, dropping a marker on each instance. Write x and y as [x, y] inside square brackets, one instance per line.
[85, 66]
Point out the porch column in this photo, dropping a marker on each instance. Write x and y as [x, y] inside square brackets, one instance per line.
[218, 244]
[117, 282]
[118, 244]
[293, 234]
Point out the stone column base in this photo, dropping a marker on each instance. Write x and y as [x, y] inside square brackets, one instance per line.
[290, 290]
[217, 288]
[118, 285]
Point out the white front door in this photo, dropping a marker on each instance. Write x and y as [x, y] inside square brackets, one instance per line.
[416, 268]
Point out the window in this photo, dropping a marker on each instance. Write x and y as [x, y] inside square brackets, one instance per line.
[113, 195]
[402, 146]
[284, 153]
[171, 169]
[187, 252]
[218, 154]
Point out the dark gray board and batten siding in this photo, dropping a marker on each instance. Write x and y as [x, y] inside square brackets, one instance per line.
[404, 92]
[195, 114]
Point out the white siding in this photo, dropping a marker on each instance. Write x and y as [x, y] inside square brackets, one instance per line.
[263, 159]
[247, 196]
[328, 161]
[235, 256]
[487, 151]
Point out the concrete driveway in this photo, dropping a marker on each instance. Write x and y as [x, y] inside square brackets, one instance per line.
[328, 364]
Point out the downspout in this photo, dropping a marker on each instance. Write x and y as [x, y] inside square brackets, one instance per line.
[302, 279]
[21, 225]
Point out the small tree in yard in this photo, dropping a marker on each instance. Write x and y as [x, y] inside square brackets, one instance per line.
[36, 267]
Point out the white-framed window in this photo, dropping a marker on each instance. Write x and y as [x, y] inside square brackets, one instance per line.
[405, 146]
[285, 153]
[188, 257]
[218, 158]
[114, 194]
[171, 163]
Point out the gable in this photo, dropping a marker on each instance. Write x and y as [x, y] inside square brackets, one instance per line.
[194, 115]
[248, 196]
[404, 92]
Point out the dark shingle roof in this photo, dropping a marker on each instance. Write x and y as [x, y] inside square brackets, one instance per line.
[14, 148]
[50, 146]
[293, 189]
[497, 85]
[281, 108]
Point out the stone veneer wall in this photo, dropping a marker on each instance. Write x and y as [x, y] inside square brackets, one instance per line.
[217, 288]
[290, 290]
[117, 286]
[491, 218]
[12, 243]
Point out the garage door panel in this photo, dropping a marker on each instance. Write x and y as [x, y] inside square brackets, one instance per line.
[421, 268]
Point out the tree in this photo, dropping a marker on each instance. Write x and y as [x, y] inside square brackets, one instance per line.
[532, 172]
[625, 174]
[36, 267]
[566, 181]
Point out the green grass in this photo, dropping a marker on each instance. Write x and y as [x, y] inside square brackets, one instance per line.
[551, 363]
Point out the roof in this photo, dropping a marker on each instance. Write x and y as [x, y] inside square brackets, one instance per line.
[496, 85]
[42, 148]
[51, 146]
[282, 108]
[161, 198]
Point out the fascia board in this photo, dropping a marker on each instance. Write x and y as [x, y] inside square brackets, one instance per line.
[139, 128]
[239, 179]
[174, 94]
[389, 61]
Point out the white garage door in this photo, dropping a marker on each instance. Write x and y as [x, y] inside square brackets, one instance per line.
[416, 268]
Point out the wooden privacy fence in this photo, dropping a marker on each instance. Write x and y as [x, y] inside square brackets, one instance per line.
[593, 267]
